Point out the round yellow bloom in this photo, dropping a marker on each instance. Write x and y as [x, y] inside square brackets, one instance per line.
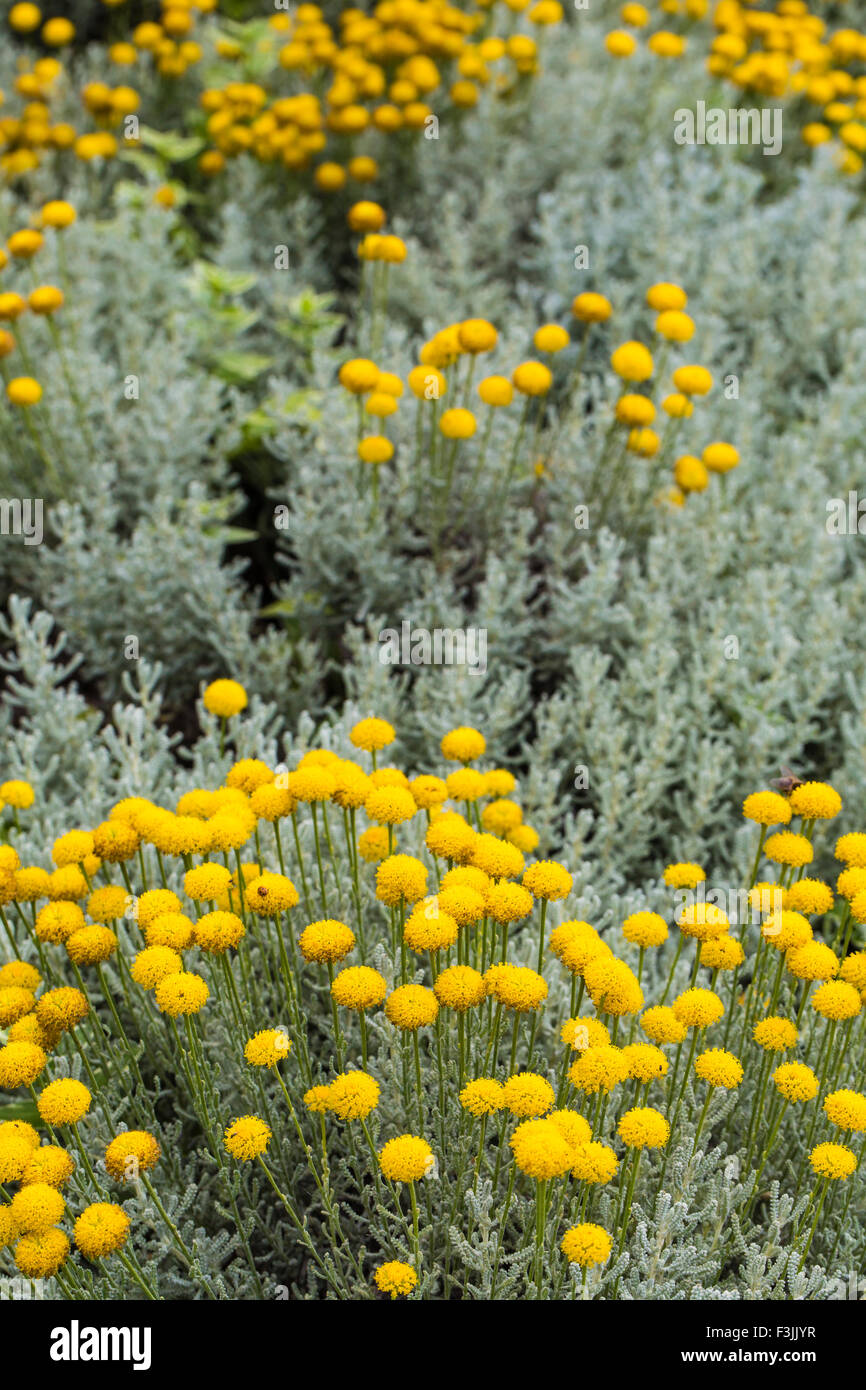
[620, 44]
[767, 808]
[814, 961]
[457, 423]
[508, 902]
[401, 877]
[644, 1128]
[101, 1229]
[550, 337]
[613, 986]
[390, 805]
[693, 380]
[23, 390]
[372, 734]
[396, 1278]
[795, 1081]
[698, 1008]
[19, 974]
[496, 390]
[851, 849]
[586, 1245]
[463, 745]
[591, 308]
[581, 1033]
[685, 875]
[467, 906]
[664, 295]
[528, 1095]
[218, 932]
[645, 929]
[775, 1034]
[40, 1256]
[483, 1097]
[130, 1154]
[37, 1207]
[645, 1062]
[411, 1007]
[836, 999]
[594, 1163]
[786, 930]
[64, 1102]
[787, 848]
[359, 987]
[428, 791]
[598, 1069]
[406, 1159]
[373, 844]
[183, 993]
[247, 1138]
[549, 880]
[15, 1003]
[719, 1068]
[532, 378]
[815, 801]
[541, 1150]
[268, 1047]
[703, 921]
[632, 361]
[25, 17]
[327, 940]
[224, 698]
[723, 953]
[353, 1096]
[833, 1161]
[853, 970]
[496, 857]
[61, 1009]
[809, 895]
[460, 987]
[270, 894]
[48, 1164]
[516, 987]
[20, 1064]
[429, 928]
[847, 1110]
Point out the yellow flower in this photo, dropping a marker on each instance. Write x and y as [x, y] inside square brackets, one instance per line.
[406, 1159]
[390, 805]
[598, 1069]
[612, 986]
[353, 1096]
[48, 1164]
[359, 987]
[645, 1062]
[719, 1068]
[528, 1095]
[396, 1278]
[183, 993]
[851, 849]
[698, 1008]
[130, 1154]
[664, 296]
[833, 1161]
[20, 1064]
[411, 1007]
[550, 337]
[586, 1245]
[218, 932]
[809, 895]
[591, 308]
[594, 1162]
[549, 880]
[64, 1102]
[775, 1034]
[516, 987]
[463, 745]
[815, 801]
[787, 848]
[847, 1110]
[224, 698]
[247, 1138]
[429, 928]
[270, 894]
[267, 1048]
[460, 988]
[837, 1000]
[795, 1081]
[704, 921]
[532, 378]
[767, 808]
[632, 361]
[40, 1256]
[581, 1033]
[540, 1150]
[684, 875]
[37, 1207]
[401, 877]
[814, 961]
[643, 1128]
[372, 734]
[61, 1009]
[100, 1229]
[483, 1097]
[327, 940]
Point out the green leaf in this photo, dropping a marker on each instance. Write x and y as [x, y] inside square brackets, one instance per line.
[20, 1110]
[225, 281]
[283, 606]
[232, 535]
[174, 148]
[241, 367]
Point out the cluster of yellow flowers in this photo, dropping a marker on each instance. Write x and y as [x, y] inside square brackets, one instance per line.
[43, 301]
[448, 976]
[447, 367]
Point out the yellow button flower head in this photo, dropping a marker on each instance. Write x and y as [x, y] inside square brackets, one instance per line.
[704, 921]
[270, 894]
[21, 974]
[327, 940]
[390, 805]
[693, 380]
[501, 815]
[851, 849]
[809, 895]
[665, 296]
[25, 17]
[815, 801]
[775, 1034]
[372, 734]
[645, 929]
[101, 1229]
[496, 857]
[532, 379]
[620, 44]
[598, 1069]
[477, 335]
[366, 217]
[496, 391]
[635, 410]
[373, 844]
[247, 1138]
[401, 877]
[218, 932]
[540, 1150]
[318, 1100]
[613, 987]
[155, 903]
[853, 970]
[24, 390]
[643, 1128]
[550, 337]
[795, 1081]
[591, 308]
[460, 987]
[91, 945]
[586, 1245]
[130, 1154]
[396, 1278]
[428, 791]
[172, 929]
[20, 1064]
[40, 1256]
[206, 882]
[594, 1163]
[698, 1008]
[268, 1047]
[786, 930]
[483, 1097]
[719, 457]
[224, 698]
[833, 1161]
[836, 999]
[15, 1003]
[183, 993]
[723, 953]
[407, 1158]
[516, 987]
[48, 1164]
[679, 407]
[64, 1102]
[675, 326]
[528, 1095]
[632, 361]
[57, 213]
[153, 964]
[645, 1062]
[581, 1033]
[15, 1154]
[508, 902]
[411, 1007]
[359, 987]
[685, 875]
[814, 961]
[548, 880]
[353, 1096]
[37, 1207]
[359, 375]
[59, 1010]
[524, 838]
[429, 928]
[719, 1068]
[465, 784]
[787, 848]
[247, 774]
[463, 745]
